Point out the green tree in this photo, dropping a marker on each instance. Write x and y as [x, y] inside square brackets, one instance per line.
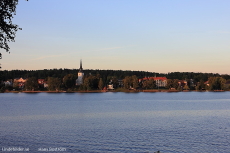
[15, 85]
[186, 87]
[149, 84]
[179, 88]
[216, 83]
[222, 82]
[9, 87]
[31, 84]
[54, 84]
[127, 82]
[93, 82]
[115, 81]
[169, 83]
[131, 82]
[135, 82]
[200, 85]
[7, 28]
[90, 82]
[86, 84]
[175, 83]
[69, 81]
[145, 84]
[2, 89]
[100, 84]
[152, 83]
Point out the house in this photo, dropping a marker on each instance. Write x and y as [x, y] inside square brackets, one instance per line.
[20, 82]
[160, 81]
[110, 87]
[182, 83]
[42, 83]
[8, 83]
[206, 83]
[46, 84]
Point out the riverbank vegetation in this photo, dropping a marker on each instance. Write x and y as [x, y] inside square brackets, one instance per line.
[122, 81]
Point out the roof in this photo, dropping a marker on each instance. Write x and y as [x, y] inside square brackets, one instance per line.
[160, 78]
[19, 80]
[206, 82]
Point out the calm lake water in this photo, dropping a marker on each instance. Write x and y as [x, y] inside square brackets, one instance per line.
[181, 122]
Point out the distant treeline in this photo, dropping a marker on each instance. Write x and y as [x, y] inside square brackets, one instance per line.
[120, 74]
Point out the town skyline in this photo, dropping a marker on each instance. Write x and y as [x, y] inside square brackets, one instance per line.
[153, 36]
[103, 80]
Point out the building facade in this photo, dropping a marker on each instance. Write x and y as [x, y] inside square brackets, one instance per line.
[19, 82]
[160, 81]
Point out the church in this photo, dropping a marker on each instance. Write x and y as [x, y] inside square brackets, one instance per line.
[79, 80]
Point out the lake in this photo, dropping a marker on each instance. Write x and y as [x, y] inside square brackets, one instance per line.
[183, 122]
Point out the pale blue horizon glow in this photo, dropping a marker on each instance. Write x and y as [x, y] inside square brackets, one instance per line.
[156, 36]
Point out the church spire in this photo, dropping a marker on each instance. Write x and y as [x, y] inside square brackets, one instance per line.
[80, 74]
[81, 69]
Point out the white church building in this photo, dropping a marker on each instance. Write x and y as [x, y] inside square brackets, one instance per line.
[79, 80]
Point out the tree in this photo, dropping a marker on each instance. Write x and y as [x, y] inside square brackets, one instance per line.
[54, 84]
[169, 83]
[7, 28]
[127, 82]
[175, 83]
[31, 84]
[69, 81]
[86, 84]
[93, 82]
[186, 87]
[135, 81]
[90, 82]
[113, 80]
[222, 82]
[149, 84]
[152, 83]
[100, 84]
[2, 89]
[145, 84]
[200, 85]
[15, 85]
[131, 82]
[216, 83]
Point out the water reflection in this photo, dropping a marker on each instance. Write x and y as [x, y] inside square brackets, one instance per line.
[143, 122]
[134, 114]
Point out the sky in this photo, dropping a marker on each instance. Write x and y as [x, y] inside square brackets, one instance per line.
[146, 35]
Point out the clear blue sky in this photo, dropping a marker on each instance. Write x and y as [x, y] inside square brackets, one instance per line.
[150, 35]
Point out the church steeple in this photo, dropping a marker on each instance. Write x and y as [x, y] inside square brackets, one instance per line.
[80, 74]
[81, 69]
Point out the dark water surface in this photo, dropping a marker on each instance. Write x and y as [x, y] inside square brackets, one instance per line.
[188, 122]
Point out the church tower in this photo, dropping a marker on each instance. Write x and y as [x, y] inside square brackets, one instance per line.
[79, 80]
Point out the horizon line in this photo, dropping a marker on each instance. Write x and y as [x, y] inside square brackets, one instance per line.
[117, 70]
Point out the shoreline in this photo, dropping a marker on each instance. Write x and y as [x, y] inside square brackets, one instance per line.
[103, 91]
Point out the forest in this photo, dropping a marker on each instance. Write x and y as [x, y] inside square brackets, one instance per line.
[64, 79]
[120, 74]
